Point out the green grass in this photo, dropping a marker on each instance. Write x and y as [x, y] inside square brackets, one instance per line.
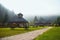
[4, 32]
[52, 34]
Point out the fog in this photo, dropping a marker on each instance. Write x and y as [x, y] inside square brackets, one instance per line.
[33, 7]
[5, 12]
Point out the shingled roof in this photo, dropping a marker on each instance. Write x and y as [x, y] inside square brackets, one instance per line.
[17, 19]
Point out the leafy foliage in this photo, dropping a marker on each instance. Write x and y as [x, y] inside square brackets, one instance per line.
[58, 21]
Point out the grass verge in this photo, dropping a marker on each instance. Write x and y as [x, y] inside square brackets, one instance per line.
[4, 32]
[52, 34]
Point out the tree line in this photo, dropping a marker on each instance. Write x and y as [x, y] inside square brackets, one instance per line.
[54, 20]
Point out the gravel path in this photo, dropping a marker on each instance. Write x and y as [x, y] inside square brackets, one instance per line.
[27, 36]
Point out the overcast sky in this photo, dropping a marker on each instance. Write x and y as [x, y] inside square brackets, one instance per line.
[33, 7]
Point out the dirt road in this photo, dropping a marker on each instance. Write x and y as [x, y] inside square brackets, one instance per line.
[27, 36]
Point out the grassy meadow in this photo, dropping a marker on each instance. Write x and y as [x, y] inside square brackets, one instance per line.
[4, 32]
[52, 34]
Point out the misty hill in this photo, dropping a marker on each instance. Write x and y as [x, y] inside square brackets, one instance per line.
[11, 14]
[51, 19]
[48, 19]
[4, 11]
